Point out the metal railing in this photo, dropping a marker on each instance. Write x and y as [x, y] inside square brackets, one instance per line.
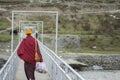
[57, 68]
[7, 72]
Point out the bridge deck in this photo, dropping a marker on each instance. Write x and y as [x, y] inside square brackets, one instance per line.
[20, 75]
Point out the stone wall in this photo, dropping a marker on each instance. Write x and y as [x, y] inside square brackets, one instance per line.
[69, 41]
[64, 41]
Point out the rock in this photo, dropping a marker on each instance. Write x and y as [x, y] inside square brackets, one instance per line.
[75, 64]
[2, 62]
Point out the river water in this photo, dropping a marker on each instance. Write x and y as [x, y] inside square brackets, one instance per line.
[101, 75]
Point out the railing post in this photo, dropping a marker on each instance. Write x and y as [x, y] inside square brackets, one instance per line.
[56, 45]
[12, 32]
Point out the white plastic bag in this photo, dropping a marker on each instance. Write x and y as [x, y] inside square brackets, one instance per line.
[41, 67]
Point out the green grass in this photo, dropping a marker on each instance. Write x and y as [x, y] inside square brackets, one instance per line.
[88, 26]
[14, 1]
[5, 37]
[4, 23]
[104, 45]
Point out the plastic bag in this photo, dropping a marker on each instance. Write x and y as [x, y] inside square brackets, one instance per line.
[41, 67]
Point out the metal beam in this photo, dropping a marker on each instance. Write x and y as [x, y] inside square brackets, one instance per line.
[47, 12]
[25, 21]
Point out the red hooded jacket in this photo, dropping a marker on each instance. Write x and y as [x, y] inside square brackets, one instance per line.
[26, 50]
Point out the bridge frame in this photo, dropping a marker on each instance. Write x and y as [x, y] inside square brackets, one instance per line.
[37, 22]
[32, 12]
[32, 26]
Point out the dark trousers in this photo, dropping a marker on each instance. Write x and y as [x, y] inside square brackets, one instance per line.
[29, 71]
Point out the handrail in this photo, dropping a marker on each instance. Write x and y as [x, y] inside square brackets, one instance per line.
[69, 71]
[53, 66]
[7, 72]
[57, 68]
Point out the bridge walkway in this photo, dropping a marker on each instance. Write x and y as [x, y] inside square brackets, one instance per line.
[20, 74]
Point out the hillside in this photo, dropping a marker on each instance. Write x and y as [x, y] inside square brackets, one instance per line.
[95, 21]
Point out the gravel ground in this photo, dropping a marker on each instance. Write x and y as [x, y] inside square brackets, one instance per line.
[101, 75]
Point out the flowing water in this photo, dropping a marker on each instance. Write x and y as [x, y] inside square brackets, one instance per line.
[101, 75]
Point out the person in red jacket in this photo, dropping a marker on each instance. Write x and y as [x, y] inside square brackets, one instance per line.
[26, 51]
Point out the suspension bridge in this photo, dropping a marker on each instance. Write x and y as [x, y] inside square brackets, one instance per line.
[57, 68]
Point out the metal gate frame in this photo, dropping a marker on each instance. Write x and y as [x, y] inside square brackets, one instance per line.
[47, 12]
[37, 22]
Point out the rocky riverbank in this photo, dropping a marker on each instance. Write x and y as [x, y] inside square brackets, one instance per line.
[2, 62]
[3, 59]
[96, 61]
[100, 66]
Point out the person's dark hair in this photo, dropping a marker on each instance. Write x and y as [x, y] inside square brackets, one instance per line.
[28, 34]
